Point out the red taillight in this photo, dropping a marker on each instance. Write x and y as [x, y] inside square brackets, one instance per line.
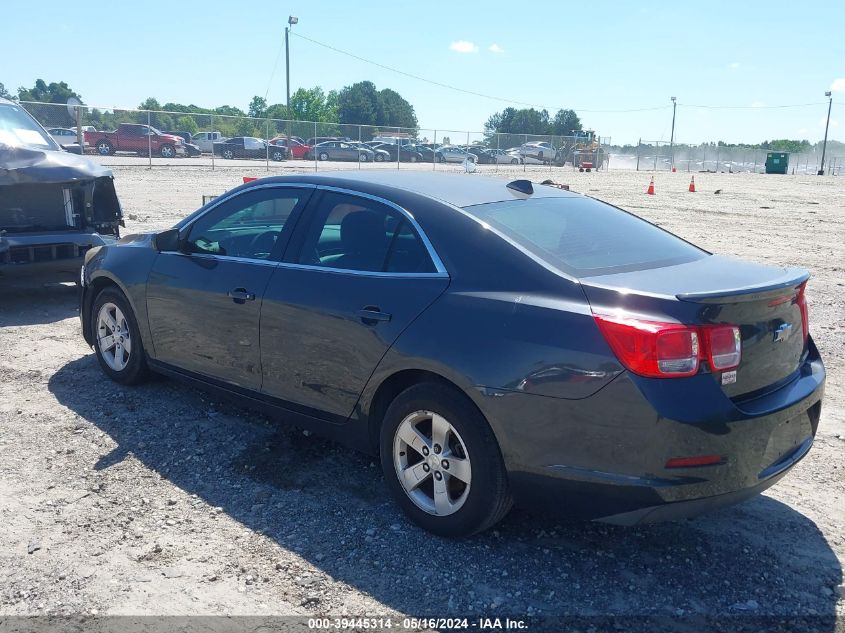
[692, 462]
[651, 348]
[665, 350]
[723, 346]
[801, 300]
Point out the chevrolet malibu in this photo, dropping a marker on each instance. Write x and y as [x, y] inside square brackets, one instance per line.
[492, 342]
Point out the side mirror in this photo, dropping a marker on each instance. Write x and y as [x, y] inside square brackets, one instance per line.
[167, 240]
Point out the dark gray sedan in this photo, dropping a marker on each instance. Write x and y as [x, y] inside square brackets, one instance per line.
[492, 342]
[341, 150]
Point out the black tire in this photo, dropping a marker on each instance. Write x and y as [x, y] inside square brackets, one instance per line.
[323, 156]
[136, 370]
[104, 148]
[514, 161]
[441, 159]
[228, 154]
[167, 151]
[363, 157]
[379, 158]
[489, 498]
[277, 156]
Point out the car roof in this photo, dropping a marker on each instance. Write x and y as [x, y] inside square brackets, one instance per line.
[460, 190]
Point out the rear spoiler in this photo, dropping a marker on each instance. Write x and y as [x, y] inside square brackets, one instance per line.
[791, 278]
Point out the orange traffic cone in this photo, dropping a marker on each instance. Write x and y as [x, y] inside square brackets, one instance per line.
[651, 187]
[692, 184]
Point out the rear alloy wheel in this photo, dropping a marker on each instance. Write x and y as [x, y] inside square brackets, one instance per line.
[378, 158]
[442, 463]
[228, 154]
[277, 156]
[514, 161]
[167, 151]
[104, 148]
[363, 158]
[323, 156]
[117, 340]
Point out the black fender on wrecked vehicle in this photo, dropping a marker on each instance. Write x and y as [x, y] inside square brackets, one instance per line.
[126, 269]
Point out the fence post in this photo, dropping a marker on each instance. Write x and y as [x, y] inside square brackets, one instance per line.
[497, 152]
[267, 144]
[639, 142]
[149, 142]
[211, 125]
[359, 148]
[524, 166]
[315, 146]
[434, 152]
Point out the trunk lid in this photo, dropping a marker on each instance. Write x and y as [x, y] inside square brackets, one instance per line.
[764, 301]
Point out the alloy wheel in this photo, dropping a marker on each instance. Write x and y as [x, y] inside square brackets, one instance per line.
[113, 337]
[432, 463]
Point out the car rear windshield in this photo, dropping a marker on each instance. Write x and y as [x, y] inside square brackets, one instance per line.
[584, 237]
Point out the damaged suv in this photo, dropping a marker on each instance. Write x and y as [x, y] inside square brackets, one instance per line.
[54, 205]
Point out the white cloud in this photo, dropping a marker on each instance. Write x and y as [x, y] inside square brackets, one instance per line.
[462, 46]
[495, 48]
[838, 85]
[734, 65]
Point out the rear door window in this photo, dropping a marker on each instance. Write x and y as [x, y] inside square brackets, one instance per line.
[585, 237]
[358, 234]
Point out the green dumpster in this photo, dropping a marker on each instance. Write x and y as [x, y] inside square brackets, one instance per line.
[777, 162]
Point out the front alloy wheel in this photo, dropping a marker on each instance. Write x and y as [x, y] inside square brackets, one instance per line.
[432, 463]
[113, 337]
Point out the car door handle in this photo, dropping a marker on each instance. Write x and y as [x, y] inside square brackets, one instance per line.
[241, 295]
[371, 315]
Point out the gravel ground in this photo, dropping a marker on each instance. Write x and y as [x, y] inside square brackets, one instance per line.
[163, 500]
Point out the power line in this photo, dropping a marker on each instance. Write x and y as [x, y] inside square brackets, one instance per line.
[534, 105]
[455, 88]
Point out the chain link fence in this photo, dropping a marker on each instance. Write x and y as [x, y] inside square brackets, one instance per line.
[714, 157]
[160, 138]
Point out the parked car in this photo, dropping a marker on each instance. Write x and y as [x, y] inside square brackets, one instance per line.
[454, 154]
[297, 148]
[405, 153]
[206, 140]
[67, 138]
[137, 138]
[322, 139]
[191, 148]
[492, 341]
[541, 151]
[54, 206]
[250, 147]
[428, 154]
[379, 155]
[340, 150]
[502, 157]
[393, 140]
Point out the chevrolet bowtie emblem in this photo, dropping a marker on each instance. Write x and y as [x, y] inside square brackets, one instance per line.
[782, 332]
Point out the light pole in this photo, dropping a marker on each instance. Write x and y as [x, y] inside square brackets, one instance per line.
[829, 95]
[291, 21]
[672, 136]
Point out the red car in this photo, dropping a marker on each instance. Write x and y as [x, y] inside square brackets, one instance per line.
[133, 137]
[297, 149]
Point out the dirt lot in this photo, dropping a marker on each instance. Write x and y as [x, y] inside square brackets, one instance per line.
[162, 500]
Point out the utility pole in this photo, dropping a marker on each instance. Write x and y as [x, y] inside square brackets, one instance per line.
[829, 95]
[291, 21]
[672, 136]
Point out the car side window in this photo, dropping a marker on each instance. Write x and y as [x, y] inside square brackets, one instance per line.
[247, 226]
[353, 233]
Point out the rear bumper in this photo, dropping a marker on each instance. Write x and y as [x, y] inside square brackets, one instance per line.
[603, 457]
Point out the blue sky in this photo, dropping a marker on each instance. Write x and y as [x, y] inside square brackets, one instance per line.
[590, 56]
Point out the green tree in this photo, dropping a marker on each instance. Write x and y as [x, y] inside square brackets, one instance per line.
[359, 104]
[48, 93]
[565, 122]
[257, 107]
[3, 92]
[312, 104]
[396, 111]
[187, 124]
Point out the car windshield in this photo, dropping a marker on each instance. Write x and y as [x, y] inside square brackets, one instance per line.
[18, 129]
[584, 237]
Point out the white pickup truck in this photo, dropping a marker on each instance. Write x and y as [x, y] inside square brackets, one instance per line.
[206, 140]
